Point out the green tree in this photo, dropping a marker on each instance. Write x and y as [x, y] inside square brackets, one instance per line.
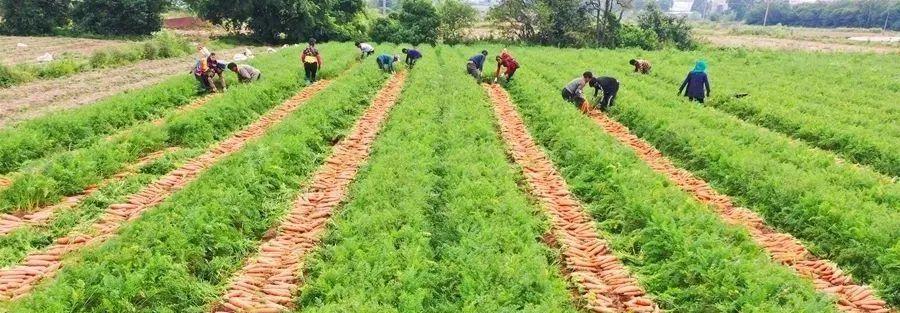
[419, 21]
[740, 7]
[123, 17]
[668, 29]
[276, 21]
[548, 22]
[456, 18]
[34, 17]
[386, 30]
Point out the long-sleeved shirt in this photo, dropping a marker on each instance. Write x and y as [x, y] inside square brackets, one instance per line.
[508, 61]
[697, 84]
[247, 73]
[479, 61]
[576, 87]
[413, 54]
[607, 84]
[364, 47]
[642, 66]
[386, 61]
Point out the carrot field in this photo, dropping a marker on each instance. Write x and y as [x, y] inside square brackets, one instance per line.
[425, 190]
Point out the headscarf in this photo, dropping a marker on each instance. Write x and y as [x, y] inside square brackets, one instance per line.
[700, 67]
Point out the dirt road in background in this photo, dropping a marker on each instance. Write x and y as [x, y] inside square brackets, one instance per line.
[792, 44]
[44, 96]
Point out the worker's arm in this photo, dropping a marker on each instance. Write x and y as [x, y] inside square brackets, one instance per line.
[684, 84]
[596, 91]
[637, 67]
[706, 82]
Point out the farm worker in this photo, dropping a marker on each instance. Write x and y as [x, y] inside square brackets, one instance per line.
[475, 64]
[216, 69]
[574, 91]
[245, 73]
[312, 61]
[199, 71]
[609, 86]
[365, 48]
[506, 60]
[697, 83]
[642, 66]
[386, 62]
[412, 56]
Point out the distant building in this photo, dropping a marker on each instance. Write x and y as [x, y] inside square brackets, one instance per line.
[681, 7]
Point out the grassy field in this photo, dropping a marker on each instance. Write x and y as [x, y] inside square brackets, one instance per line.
[440, 217]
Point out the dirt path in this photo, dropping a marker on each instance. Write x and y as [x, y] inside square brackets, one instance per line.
[602, 280]
[44, 96]
[18, 281]
[11, 54]
[781, 247]
[268, 281]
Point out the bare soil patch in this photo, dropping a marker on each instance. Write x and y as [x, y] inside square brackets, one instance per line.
[11, 53]
[38, 98]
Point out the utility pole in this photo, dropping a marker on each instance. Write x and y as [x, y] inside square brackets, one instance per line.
[766, 17]
[886, 17]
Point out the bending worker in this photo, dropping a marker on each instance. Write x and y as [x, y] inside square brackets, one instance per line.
[506, 60]
[610, 87]
[475, 64]
[697, 83]
[574, 91]
[365, 49]
[412, 56]
[642, 66]
[215, 68]
[245, 73]
[386, 62]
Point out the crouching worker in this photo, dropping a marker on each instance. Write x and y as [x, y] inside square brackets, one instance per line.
[386, 62]
[574, 91]
[609, 86]
[641, 66]
[506, 60]
[245, 73]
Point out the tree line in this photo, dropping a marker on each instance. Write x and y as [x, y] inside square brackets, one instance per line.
[100, 17]
[840, 13]
[570, 23]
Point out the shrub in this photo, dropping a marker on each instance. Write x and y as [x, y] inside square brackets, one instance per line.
[633, 36]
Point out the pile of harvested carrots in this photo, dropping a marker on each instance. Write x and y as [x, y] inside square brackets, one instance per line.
[602, 280]
[784, 248]
[268, 281]
[19, 280]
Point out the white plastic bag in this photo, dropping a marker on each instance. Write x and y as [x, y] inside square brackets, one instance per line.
[240, 57]
[248, 53]
[271, 50]
[47, 57]
[21, 45]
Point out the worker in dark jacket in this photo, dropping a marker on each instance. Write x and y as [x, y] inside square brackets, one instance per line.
[412, 56]
[697, 83]
[609, 86]
[475, 64]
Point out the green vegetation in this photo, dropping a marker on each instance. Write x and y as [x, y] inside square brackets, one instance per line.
[177, 257]
[46, 180]
[841, 212]
[436, 222]
[682, 252]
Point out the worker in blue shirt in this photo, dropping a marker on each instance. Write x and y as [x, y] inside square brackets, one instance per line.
[475, 65]
[697, 83]
[386, 62]
[412, 56]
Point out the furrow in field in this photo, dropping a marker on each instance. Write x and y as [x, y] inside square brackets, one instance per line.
[782, 247]
[603, 281]
[269, 280]
[12, 222]
[17, 281]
